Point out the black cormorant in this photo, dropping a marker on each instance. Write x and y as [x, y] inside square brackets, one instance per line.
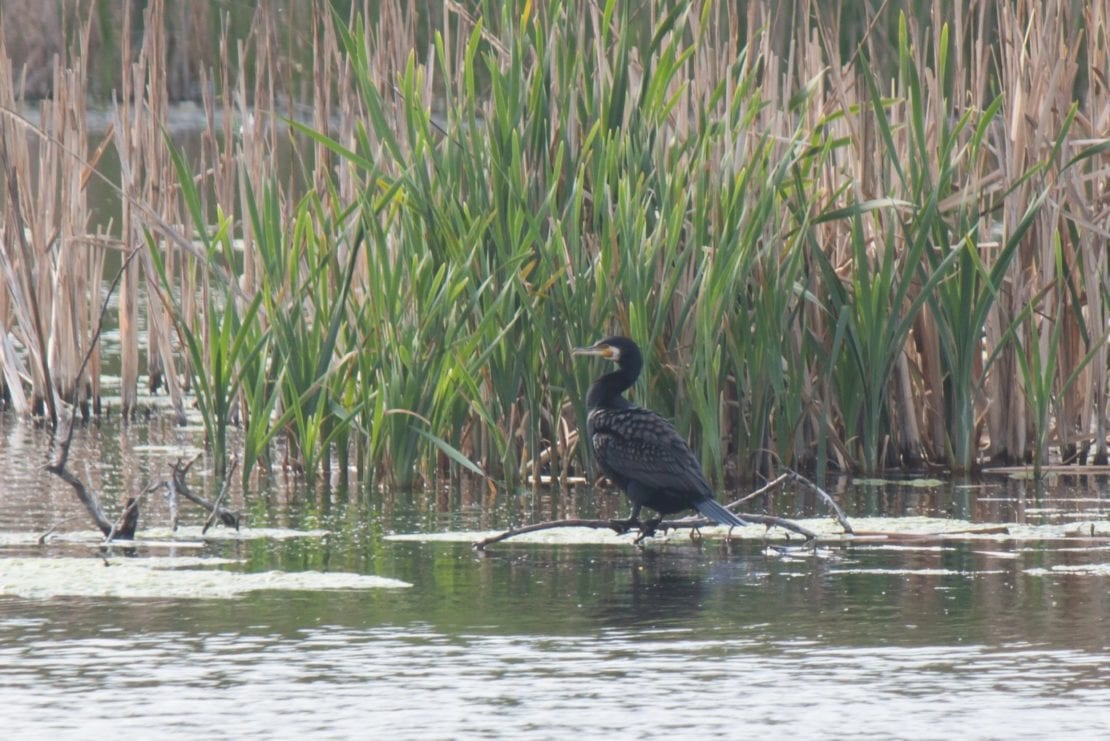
[640, 451]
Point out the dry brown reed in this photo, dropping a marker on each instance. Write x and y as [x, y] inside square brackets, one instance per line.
[51, 262]
[141, 121]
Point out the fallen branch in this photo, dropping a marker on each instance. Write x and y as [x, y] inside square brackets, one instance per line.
[622, 526]
[768, 520]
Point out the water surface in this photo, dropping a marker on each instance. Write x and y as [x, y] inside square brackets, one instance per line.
[971, 638]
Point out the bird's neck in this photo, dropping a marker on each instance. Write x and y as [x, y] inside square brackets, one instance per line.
[606, 391]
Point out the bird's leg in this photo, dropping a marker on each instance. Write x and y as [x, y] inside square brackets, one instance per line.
[653, 524]
[623, 526]
[647, 529]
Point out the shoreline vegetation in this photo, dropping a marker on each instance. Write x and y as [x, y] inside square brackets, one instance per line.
[844, 243]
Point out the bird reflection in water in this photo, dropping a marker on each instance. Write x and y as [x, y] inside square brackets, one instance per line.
[670, 590]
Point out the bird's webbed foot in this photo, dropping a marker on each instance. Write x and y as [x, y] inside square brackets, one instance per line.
[620, 527]
[649, 528]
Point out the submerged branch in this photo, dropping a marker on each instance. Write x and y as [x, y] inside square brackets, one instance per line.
[87, 498]
[215, 509]
[128, 521]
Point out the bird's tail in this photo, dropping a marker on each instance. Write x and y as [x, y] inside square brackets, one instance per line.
[714, 511]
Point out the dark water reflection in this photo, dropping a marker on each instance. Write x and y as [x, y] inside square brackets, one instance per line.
[966, 639]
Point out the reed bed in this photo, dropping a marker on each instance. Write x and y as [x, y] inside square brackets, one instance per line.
[856, 243]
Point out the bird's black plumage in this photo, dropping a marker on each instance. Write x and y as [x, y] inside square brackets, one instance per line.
[640, 451]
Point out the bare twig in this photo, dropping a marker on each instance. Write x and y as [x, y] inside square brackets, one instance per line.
[55, 526]
[58, 468]
[758, 492]
[837, 512]
[217, 508]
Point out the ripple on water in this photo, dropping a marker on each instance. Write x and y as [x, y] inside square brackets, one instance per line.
[417, 683]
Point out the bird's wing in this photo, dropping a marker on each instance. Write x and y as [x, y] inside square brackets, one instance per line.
[635, 444]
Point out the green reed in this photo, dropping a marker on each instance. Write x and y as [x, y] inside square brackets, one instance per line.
[580, 178]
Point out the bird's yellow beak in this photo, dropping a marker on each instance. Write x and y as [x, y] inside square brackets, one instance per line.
[600, 349]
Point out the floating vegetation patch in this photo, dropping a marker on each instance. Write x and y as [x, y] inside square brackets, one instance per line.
[1006, 555]
[163, 578]
[182, 451]
[917, 483]
[245, 533]
[1090, 569]
[914, 572]
[183, 536]
[867, 530]
[1089, 529]
[565, 536]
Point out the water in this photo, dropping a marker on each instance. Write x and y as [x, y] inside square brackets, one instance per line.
[974, 638]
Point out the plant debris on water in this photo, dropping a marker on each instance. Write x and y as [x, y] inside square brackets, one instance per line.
[163, 578]
[868, 529]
